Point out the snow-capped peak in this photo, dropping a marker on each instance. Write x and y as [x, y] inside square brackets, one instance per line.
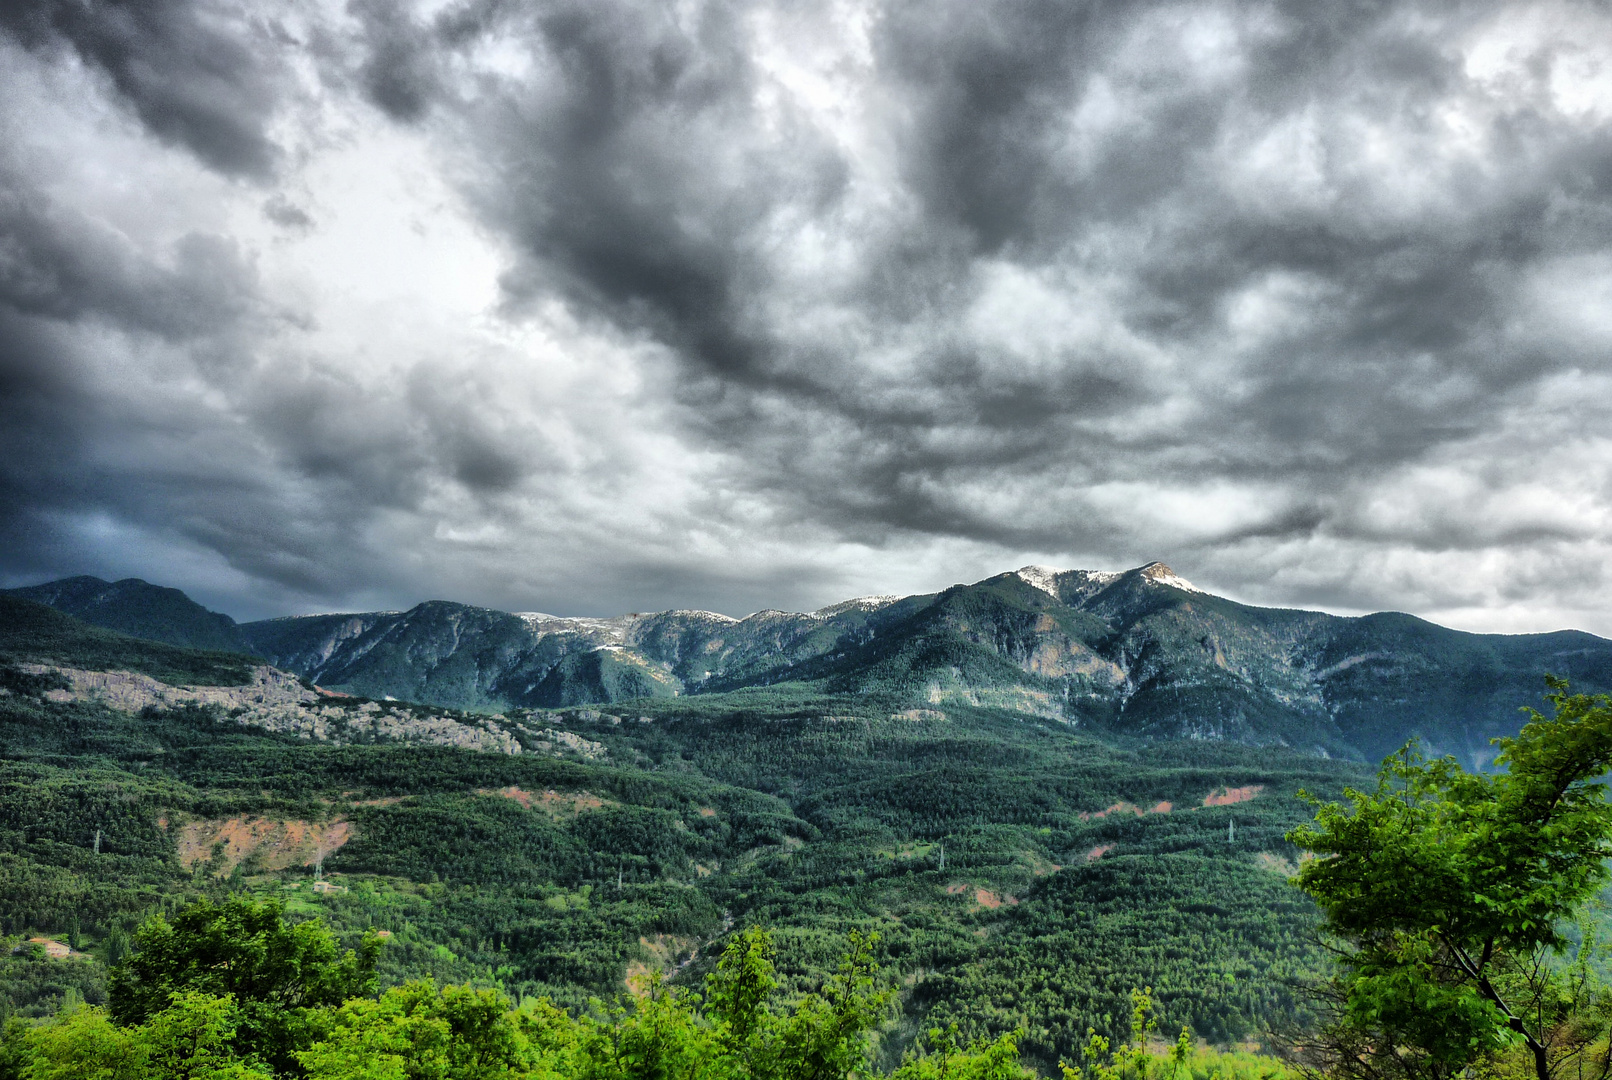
[1160, 574]
[856, 603]
[1041, 577]
[543, 624]
[534, 619]
[714, 616]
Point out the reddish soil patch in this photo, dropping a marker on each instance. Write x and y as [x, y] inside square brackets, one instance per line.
[707, 811]
[1119, 808]
[985, 898]
[1098, 852]
[1228, 796]
[278, 844]
[1125, 808]
[518, 794]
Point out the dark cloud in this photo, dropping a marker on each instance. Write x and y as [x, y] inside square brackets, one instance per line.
[60, 264]
[203, 77]
[1300, 298]
[399, 72]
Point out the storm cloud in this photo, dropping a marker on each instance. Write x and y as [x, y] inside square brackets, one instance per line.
[606, 305]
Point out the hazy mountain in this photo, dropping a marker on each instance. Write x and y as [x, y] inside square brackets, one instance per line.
[32, 632]
[1141, 654]
[140, 609]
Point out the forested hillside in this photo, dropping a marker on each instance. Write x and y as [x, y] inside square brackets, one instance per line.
[141, 609]
[1021, 873]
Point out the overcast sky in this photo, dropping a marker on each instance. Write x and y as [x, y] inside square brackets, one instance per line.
[590, 306]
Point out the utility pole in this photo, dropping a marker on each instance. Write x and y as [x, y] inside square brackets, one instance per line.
[97, 841]
[1231, 831]
[943, 856]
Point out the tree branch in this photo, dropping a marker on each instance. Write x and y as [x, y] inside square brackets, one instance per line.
[1513, 1021]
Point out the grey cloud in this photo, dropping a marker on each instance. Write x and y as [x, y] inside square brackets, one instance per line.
[1018, 264]
[285, 213]
[133, 401]
[608, 180]
[60, 264]
[399, 72]
[208, 80]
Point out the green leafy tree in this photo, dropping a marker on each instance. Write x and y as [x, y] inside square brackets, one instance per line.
[279, 976]
[192, 1039]
[1448, 894]
[948, 1059]
[736, 993]
[661, 1037]
[420, 1032]
[1131, 1059]
[826, 1036]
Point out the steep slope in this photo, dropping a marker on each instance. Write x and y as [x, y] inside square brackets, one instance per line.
[1388, 676]
[469, 657]
[140, 609]
[31, 632]
[44, 651]
[1139, 655]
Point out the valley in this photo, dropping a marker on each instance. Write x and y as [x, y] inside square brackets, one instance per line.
[1041, 791]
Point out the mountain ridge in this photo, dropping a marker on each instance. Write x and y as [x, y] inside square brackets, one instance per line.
[1140, 654]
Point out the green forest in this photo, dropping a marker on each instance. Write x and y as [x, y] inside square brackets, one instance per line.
[1001, 888]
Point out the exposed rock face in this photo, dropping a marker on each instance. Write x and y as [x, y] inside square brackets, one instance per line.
[1144, 654]
[278, 701]
[128, 691]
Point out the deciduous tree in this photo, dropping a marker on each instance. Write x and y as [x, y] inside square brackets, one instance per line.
[1448, 894]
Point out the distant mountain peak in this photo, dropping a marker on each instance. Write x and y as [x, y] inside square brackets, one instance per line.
[137, 607]
[701, 613]
[1160, 574]
[1044, 578]
[542, 624]
[856, 603]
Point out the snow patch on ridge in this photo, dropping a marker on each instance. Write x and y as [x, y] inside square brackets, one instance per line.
[1160, 574]
[856, 603]
[534, 619]
[714, 615]
[543, 624]
[1041, 577]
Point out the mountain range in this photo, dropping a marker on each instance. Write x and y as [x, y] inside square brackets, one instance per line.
[1141, 655]
[1040, 790]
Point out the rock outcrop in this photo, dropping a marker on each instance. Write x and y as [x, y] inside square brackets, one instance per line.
[280, 702]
